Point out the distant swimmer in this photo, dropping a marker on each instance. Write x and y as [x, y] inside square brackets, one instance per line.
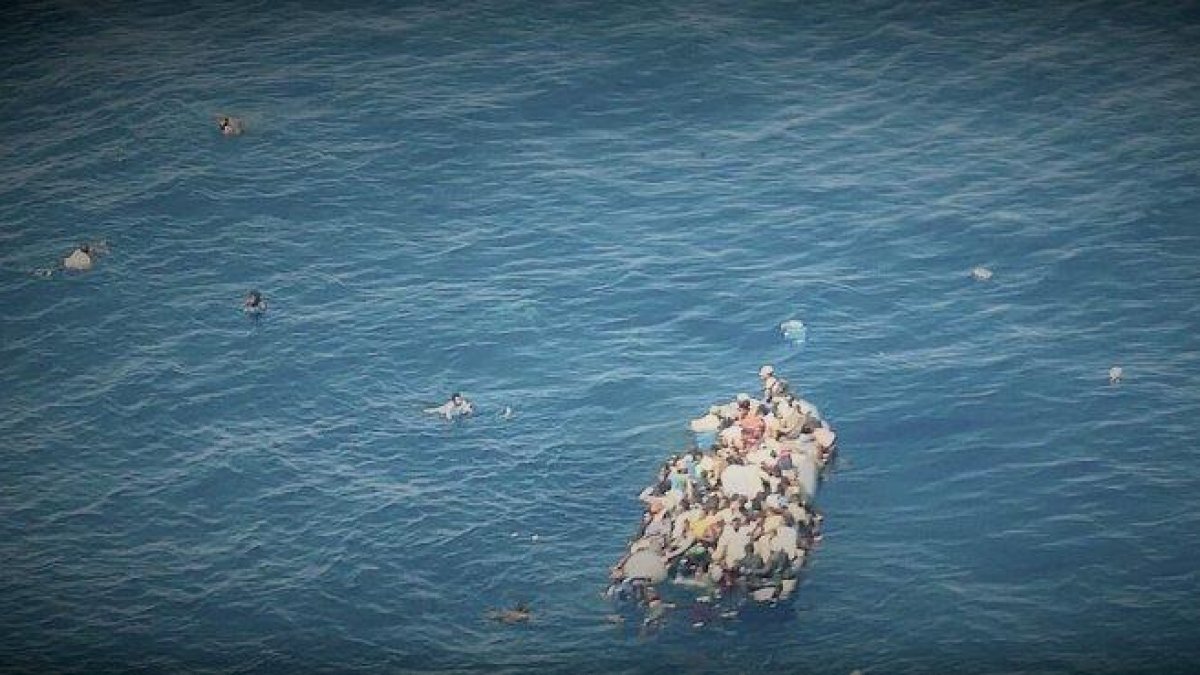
[520, 613]
[507, 413]
[981, 273]
[230, 126]
[1115, 374]
[82, 258]
[254, 304]
[457, 406]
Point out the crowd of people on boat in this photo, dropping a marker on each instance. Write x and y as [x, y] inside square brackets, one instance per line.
[736, 512]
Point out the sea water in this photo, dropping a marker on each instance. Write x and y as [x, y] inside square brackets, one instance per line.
[597, 214]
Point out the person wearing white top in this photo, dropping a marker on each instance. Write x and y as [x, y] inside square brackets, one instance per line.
[457, 406]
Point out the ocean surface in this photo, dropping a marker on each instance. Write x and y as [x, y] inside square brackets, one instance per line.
[597, 214]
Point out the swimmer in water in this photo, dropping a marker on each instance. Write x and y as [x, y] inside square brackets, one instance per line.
[656, 609]
[82, 258]
[230, 126]
[457, 406]
[518, 614]
[254, 304]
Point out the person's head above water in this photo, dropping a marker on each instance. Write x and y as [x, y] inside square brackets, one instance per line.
[255, 303]
[456, 397]
[229, 125]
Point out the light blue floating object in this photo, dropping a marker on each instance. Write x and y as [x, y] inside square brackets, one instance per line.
[794, 331]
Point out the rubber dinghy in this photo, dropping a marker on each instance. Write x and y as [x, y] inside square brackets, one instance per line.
[732, 519]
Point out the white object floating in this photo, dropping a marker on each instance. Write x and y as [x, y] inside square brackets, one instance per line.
[1115, 374]
[533, 537]
[794, 331]
[981, 273]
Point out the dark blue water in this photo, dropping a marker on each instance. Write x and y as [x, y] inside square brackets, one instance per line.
[597, 214]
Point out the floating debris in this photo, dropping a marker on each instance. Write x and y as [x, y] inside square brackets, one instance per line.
[981, 273]
[733, 520]
[1115, 374]
[794, 331]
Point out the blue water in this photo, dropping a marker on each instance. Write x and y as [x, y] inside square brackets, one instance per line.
[599, 214]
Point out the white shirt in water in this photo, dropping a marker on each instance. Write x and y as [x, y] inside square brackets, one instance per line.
[450, 409]
[78, 261]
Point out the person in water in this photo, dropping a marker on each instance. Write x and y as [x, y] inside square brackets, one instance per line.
[83, 257]
[518, 614]
[80, 259]
[230, 126]
[254, 304]
[457, 406]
